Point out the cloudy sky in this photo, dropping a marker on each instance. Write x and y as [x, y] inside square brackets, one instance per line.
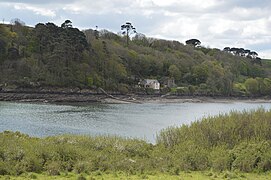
[216, 23]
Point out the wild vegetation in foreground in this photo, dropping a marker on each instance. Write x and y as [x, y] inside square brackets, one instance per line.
[225, 146]
[188, 175]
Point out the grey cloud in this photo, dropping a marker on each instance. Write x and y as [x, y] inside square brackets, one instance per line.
[113, 21]
[261, 46]
[38, 1]
[249, 3]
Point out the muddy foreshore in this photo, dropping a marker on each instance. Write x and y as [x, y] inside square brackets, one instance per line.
[99, 97]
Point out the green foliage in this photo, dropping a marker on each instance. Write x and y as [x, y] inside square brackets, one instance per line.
[238, 141]
[200, 73]
[182, 90]
[251, 156]
[203, 89]
[252, 86]
[89, 81]
[123, 88]
[175, 175]
[234, 142]
[266, 86]
[53, 168]
[49, 55]
[239, 89]
[174, 72]
[220, 158]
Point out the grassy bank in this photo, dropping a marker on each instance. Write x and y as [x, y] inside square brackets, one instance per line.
[224, 146]
[206, 175]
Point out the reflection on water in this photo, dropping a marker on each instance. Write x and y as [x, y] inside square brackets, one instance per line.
[129, 120]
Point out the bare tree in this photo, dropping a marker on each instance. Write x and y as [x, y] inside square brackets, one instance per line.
[17, 21]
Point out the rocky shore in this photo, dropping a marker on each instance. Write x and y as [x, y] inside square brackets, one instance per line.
[100, 97]
[50, 97]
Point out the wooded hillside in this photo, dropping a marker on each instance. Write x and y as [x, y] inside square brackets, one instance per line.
[52, 56]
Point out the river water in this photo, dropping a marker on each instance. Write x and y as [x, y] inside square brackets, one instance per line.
[142, 121]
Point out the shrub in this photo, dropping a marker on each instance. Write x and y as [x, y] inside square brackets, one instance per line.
[249, 156]
[3, 169]
[31, 164]
[81, 177]
[53, 168]
[32, 176]
[123, 88]
[252, 86]
[82, 167]
[192, 157]
[220, 158]
[239, 89]
[182, 90]
[192, 89]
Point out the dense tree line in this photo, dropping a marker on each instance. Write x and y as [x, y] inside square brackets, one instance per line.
[52, 56]
[244, 53]
[44, 55]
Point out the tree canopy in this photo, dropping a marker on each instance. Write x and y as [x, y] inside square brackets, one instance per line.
[244, 53]
[193, 42]
[127, 30]
[49, 55]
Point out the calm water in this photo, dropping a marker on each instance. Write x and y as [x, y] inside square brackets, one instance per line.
[129, 120]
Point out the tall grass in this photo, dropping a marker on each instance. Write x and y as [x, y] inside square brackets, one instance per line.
[221, 130]
[237, 141]
[225, 142]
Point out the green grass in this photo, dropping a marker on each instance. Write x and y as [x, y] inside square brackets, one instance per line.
[120, 175]
[225, 146]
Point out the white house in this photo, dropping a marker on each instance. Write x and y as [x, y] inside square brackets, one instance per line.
[150, 83]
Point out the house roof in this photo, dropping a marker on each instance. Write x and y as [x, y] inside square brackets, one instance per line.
[150, 81]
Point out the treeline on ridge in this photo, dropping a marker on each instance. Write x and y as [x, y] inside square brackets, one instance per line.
[52, 56]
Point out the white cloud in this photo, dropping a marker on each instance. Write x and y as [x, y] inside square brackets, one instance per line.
[265, 54]
[144, 3]
[221, 26]
[179, 28]
[196, 4]
[257, 27]
[164, 3]
[36, 10]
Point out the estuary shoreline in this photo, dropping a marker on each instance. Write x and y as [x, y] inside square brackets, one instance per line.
[97, 97]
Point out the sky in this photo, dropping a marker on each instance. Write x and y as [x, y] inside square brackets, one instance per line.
[216, 23]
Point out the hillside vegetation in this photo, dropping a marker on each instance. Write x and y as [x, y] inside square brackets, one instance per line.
[237, 142]
[51, 56]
